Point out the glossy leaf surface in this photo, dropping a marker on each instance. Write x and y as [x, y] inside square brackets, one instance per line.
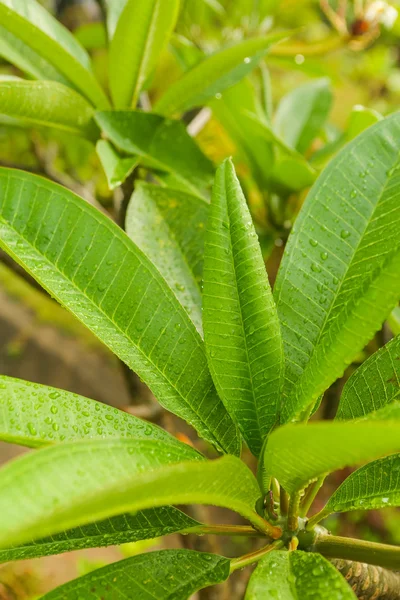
[28, 21]
[168, 226]
[116, 167]
[375, 384]
[301, 113]
[91, 267]
[164, 143]
[214, 74]
[298, 454]
[142, 31]
[82, 482]
[36, 415]
[340, 274]
[49, 104]
[376, 485]
[241, 327]
[164, 575]
[295, 575]
[144, 525]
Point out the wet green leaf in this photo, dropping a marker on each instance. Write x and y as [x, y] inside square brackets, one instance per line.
[116, 167]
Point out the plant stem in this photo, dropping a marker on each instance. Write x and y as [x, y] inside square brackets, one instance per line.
[371, 553]
[231, 530]
[369, 581]
[310, 495]
[317, 518]
[293, 513]
[284, 502]
[249, 559]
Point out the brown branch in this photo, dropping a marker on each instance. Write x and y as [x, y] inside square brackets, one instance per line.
[369, 582]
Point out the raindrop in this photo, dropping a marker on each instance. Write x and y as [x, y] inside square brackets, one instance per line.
[344, 234]
[247, 60]
[316, 268]
[324, 255]
[313, 242]
[31, 429]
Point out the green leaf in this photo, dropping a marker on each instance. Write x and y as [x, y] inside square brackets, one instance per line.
[49, 104]
[164, 575]
[168, 226]
[340, 274]
[360, 119]
[114, 9]
[390, 412]
[27, 60]
[302, 113]
[67, 485]
[164, 143]
[375, 384]
[298, 454]
[295, 575]
[28, 21]
[377, 485]
[231, 110]
[214, 74]
[394, 320]
[116, 167]
[92, 36]
[91, 267]
[35, 415]
[142, 31]
[144, 525]
[241, 327]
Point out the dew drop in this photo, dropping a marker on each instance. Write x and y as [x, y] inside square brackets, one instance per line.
[344, 234]
[324, 255]
[313, 242]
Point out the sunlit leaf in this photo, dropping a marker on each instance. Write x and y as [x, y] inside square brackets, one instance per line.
[68, 485]
[298, 454]
[116, 167]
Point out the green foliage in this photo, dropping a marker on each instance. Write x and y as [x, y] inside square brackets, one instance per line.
[32, 25]
[99, 274]
[298, 454]
[83, 482]
[143, 525]
[151, 137]
[293, 575]
[214, 74]
[374, 385]
[142, 32]
[48, 104]
[241, 327]
[302, 113]
[377, 485]
[163, 575]
[340, 275]
[183, 297]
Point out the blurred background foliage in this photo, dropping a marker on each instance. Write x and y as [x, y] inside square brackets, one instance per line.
[337, 73]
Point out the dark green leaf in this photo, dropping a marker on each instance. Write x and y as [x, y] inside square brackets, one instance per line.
[241, 327]
[297, 576]
[377, 485]
[165, 575]
[68, 485]
[144, 525]
[298, 454]
[93, 268]
[164, 143]
[28, 21]
[168, 226]
[375, 384]
[116, 167]
[302, 113]
[340, 274]
[142, 31]
[214, 74]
